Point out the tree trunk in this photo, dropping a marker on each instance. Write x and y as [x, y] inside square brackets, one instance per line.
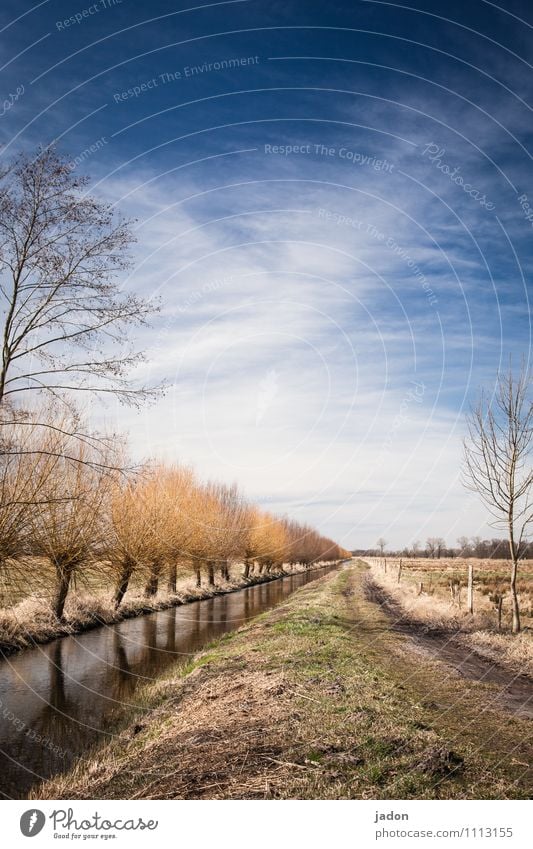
[171, 586]
[123, 581]
[210, 573]
[514, 597]
[246, 567]
[514, 574]
[152, 584]
[64, 574]
[500, 605]
[198, 571]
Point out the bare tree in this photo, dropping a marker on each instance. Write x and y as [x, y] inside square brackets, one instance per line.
[231, 532]
[381, 543]
[157, 522]
[477, 546]
[415, 547]
[39, 490]
[498, 463]
[181, 486]
[431, 546]
[274, 540]
[251, 549]
[200, 545]
[127, 544]
[440, 546]
[465, 549]
[69, 524]
[28, 457]
[66, 322]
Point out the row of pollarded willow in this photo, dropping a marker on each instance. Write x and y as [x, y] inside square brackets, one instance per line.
[168, 517]
[68, 501]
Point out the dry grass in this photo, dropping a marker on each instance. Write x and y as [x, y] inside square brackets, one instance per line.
[490, 576]
[317, 699]
[515, 651]
[221, 734]
[434, 608]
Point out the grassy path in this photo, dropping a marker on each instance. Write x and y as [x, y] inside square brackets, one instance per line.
[315, 699]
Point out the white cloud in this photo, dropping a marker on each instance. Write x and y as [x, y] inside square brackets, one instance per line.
[256, 282]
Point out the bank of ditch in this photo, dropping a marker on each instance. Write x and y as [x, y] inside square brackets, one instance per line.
[32, 622]
[316, 699]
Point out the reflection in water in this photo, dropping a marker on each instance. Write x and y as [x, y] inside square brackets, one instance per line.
[170, 632]
[57, 700]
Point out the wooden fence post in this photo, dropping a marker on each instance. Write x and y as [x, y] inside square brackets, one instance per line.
[470, 588]
[455, 590]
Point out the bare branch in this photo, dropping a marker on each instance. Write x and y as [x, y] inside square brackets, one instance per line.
[497, 455]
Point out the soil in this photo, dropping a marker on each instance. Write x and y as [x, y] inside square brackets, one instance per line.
[515, 691]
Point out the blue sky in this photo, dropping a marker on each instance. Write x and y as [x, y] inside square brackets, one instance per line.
[331, 204]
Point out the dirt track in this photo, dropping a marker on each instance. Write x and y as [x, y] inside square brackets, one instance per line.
[515, 691]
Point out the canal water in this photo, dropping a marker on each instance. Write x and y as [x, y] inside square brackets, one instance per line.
[58, 699]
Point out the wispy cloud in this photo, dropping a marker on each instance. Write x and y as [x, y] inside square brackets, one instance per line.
[313, 262]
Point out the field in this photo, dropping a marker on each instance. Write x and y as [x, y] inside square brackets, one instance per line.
[317, 699]
[434, 593]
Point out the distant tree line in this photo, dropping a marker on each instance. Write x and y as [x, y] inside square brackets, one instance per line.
[436, 548]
